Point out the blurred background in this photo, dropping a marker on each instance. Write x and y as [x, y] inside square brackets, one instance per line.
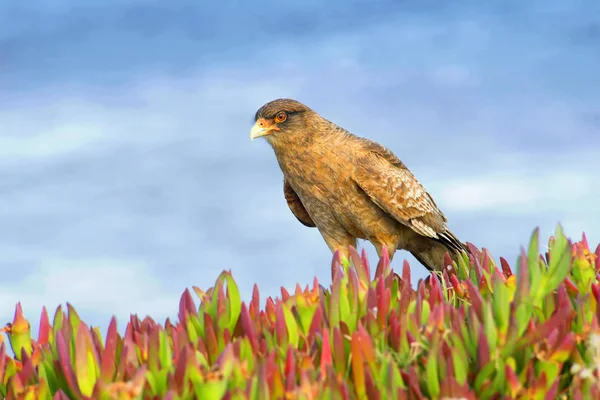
[127, 173]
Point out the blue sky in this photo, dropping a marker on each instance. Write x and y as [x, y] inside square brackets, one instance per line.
[127, 173]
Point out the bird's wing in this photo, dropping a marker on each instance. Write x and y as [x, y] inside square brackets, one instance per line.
[296, 206]
[390, 185]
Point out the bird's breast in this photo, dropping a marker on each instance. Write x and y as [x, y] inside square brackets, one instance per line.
[317, 175]
[322, 178]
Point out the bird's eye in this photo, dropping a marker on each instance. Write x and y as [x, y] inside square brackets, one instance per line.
[281, 116]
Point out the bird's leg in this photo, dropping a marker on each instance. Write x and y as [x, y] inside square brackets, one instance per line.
[341, 243]
[391, 250]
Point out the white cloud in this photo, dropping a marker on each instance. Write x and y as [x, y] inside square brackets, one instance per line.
[93, 286]
[518, 193]
[64, 127]
[153, 108]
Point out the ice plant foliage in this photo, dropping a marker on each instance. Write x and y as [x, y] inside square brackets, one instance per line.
[475, 331]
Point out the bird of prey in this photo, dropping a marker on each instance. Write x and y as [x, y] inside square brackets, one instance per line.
[350, 187]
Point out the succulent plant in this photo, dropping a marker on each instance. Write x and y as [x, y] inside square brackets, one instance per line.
[474, 331]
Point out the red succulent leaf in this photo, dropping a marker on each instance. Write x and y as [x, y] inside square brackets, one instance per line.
[570, 286]
[109, 355]
[412, 380]
[523, 279]
[383, 265]
[539, 385]
[186, 306]
[513, 324]
[153, 350]
[406, 273]
[181, 339]
[410, 338]
[262, 346]
[371, 299]
[419, 303]
[317, 322]
[27, 374]
[402, 394]
[475, 297]
[483, 350]
[485, 260]
[3, 359]
[364, 259]
[514, 386]
[339, 353]
[180, 368]
[451, 389]
[226, 337]
[562, 297]
[353, 286]
[210, 338]
[448, 262]
[473, 250]
[543, 330]
[456, 285]
[128, 337]
[125, 359]
[290, 370]
[171, 395]
[552, 338]
[474, 263]
[247, 327]
[394, 335]
[280, 325]
[437, 317]
[382, 268]
[363, 274]
[254, 307]
[45, 328]
[336, 264]
[563, 350]
[596, 294]
[383, 302]
[371, 389]
[326, 357]
[365, 344]
[506, 270]
[66, 366]
[270, 310]
[270, 367]
[60, 395]
[285, 295]
[436, 296]
[551, 394]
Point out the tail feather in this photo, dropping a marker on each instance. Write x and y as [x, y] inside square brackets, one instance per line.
[451, 242]
[432, 256]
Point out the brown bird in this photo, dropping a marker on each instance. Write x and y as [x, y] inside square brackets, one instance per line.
[352, 188]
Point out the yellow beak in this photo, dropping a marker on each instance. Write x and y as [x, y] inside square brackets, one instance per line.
[258, 131]
[262, 127]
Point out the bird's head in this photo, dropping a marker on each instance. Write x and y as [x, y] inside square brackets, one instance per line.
[280, 118]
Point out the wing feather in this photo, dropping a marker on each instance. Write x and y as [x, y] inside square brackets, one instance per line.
[296, 206]
[390, 185]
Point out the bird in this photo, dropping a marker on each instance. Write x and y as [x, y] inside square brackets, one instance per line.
[349, 187]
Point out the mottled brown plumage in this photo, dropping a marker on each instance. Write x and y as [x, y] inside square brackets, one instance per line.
[352, 188]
